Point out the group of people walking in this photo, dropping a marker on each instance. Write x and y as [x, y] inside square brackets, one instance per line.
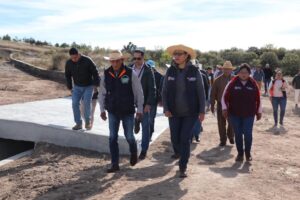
[130, 95]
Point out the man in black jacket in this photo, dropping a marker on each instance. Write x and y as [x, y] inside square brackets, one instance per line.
[296, 86]
[146, 76]
[158, 83]
[268, 76]
[81, 71]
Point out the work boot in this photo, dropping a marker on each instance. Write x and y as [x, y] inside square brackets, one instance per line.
[133, 159]
[197, 139]
[182, 174]
[231, 141]
[222, 144]
[175, 156]
[88, 126]
[113, 169]
[77, 127]
[248, 157]
[142, 155]
[240, 158]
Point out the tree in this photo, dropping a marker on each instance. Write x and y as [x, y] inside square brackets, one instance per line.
[269, 58]
[64, 45]
[256, 50]
[6, 37]
[281, 53]
[129, 48]
[290, 64]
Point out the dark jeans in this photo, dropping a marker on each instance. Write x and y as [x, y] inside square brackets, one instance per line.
[267, 83]
[181, 134]
[152, 119]
[242, 126]
[278, 102]
[197, 129]
[114, 124]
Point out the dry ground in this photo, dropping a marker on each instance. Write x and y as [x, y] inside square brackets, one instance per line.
[53, 172]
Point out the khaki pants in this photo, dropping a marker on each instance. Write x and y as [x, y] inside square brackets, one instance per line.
[222, 122]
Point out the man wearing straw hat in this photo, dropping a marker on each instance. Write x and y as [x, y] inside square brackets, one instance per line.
[216, 96]
[120, 91]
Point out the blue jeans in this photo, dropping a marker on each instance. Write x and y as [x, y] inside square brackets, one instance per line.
[181, 134]
[267, 83]
[77, 94]
[152, 119]
[278, 102]
[242, 126]
[145, 132]
[197, 129]
[114, 124]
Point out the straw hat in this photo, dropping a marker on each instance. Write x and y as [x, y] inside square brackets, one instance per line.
[181, 47]
[227, 65]
[115, 55]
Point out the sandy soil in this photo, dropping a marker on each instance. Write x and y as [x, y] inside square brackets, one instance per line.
[17, 86]
[53, 172]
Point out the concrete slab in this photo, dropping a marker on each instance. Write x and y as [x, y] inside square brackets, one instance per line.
[51, 121]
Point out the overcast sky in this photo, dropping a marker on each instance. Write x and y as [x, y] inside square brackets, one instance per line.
[201, 24]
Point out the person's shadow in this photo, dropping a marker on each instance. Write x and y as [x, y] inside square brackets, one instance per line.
[165, 189]
[215, 155]
[232, 171]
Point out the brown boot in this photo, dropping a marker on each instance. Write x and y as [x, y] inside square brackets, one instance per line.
[88, 126]
[133, 159]
[248, 157]
[77, 127]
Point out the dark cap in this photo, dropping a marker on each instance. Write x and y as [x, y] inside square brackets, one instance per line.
[73, 51]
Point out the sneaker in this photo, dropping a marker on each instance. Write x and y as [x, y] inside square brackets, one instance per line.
[136, 126]
[175, 156]
[231, 141]
[239, 158]
[142, 155]
[182, 174]
[113, 169]
[77, 127]
[88, 126]
[197, 139]
[133, 159]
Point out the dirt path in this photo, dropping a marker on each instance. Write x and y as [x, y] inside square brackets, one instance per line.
[65, 173]
[17, 86]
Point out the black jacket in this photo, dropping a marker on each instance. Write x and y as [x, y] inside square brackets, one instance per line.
[83, 73]
[296, 81]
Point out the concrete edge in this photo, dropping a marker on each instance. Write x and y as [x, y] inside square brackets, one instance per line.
[16, 157]
[37, 71]
[27, 131]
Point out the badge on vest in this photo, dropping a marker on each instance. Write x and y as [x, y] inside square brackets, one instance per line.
[125, 79]
[249, 88]
[237, 88]
[191, 78]
[170, 78]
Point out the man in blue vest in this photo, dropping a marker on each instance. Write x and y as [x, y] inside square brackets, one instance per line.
[146, 77]
[120, 91]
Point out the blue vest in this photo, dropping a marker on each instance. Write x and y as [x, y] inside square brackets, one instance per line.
[191, 87]
[119, 97]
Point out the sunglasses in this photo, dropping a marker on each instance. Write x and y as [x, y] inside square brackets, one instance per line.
[178, 54]
[137, 58]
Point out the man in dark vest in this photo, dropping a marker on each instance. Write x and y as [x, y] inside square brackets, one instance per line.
[146, 77]
[120, 91]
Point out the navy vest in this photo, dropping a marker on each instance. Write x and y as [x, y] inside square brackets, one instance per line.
[191, 88]
[119, 97]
